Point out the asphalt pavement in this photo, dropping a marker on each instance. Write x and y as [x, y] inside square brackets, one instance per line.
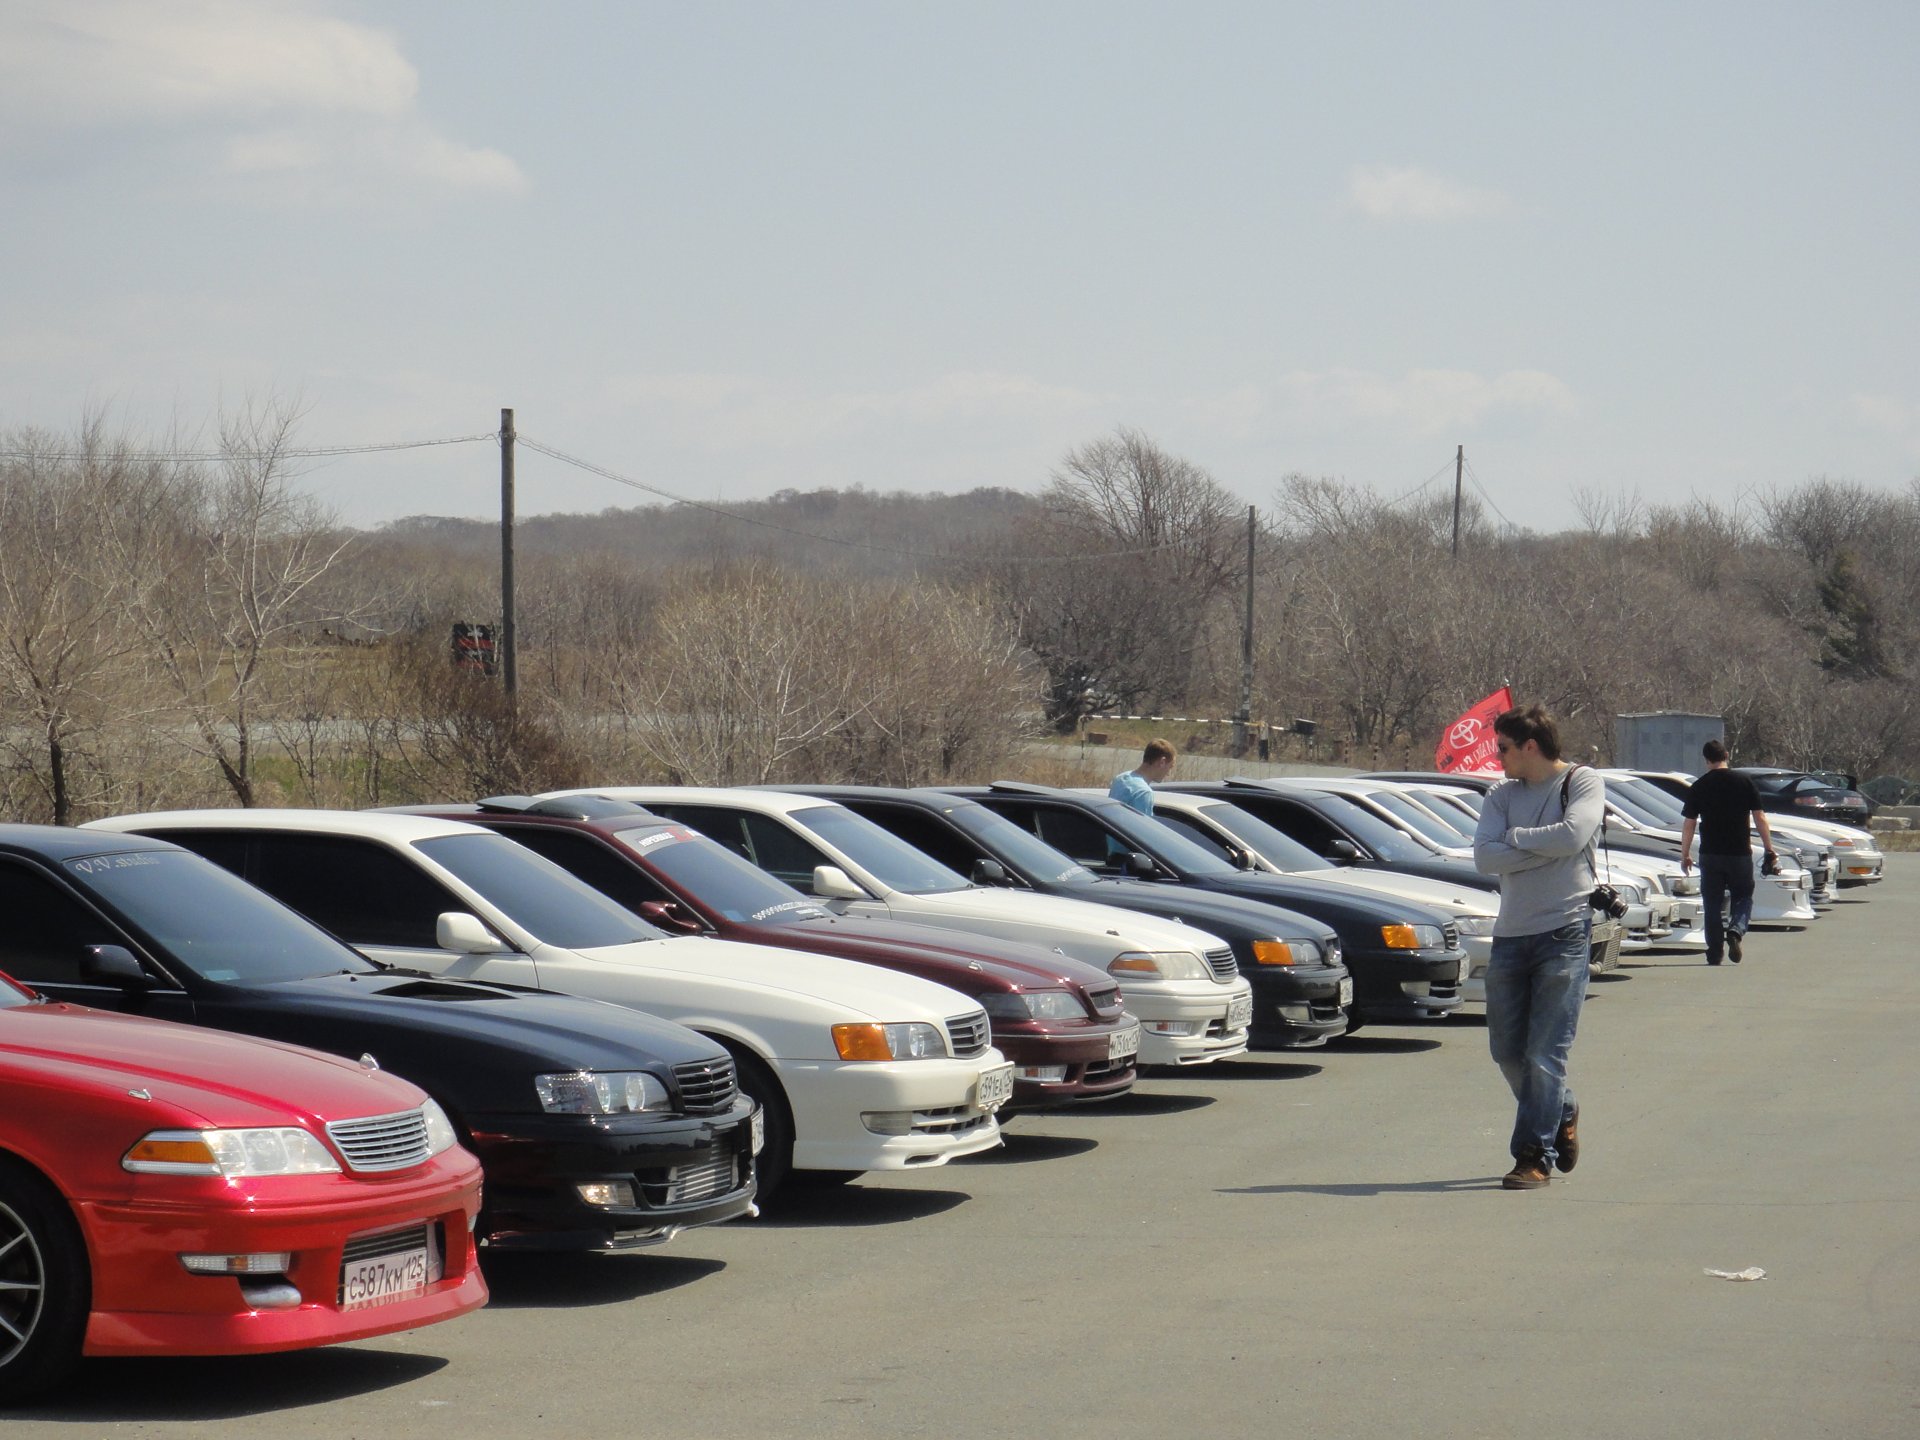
[1309, 1244]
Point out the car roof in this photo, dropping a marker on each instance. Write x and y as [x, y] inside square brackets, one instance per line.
[63, 842]
[401, 829]
[927, 799]
[767, 802]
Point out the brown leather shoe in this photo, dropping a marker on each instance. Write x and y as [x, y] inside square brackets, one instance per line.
[1566, 1142]
[1529, 1173]
[1733, 946]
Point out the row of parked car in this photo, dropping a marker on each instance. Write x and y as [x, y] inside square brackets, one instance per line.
[636, 1010]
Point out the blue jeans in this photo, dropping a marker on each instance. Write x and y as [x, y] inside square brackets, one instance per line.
[1721, 876]
[1535, 985]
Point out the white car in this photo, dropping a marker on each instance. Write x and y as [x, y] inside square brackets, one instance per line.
[1193, 1003]
[857, 1068]
[1858, 860]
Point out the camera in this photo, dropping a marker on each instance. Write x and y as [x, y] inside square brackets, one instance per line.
[1607, 901]
[1769, 864]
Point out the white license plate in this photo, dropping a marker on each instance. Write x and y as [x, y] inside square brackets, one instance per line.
[1123, 1043]
[758, 1125]
[996, 1088]
[1346, 991]
[1240, 1012]
[383, 1280]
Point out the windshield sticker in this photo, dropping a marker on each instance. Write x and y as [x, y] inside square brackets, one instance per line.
[99, 863]
[806, 909]
[662, 837]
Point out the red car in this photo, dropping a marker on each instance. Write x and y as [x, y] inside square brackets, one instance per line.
[170, 1190]
[1060, 1022]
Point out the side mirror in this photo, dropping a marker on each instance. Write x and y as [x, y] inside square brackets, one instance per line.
[114, 965]
[1140, 867]
[830, 882]
[1345, 851]
[466, 934]
[668, 915]
[988, 872]
[1241, 858]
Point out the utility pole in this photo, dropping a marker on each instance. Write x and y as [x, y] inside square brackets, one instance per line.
[506, 553]
[1244, 719]
[1459, 464]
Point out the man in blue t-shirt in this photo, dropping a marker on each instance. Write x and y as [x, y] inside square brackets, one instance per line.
[1135, 787]
[1724, 806]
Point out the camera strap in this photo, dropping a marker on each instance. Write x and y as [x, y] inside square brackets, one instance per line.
[1566, 781]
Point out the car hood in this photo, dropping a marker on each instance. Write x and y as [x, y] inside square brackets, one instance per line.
[215, 1078]
[1083, 920]
[1017, 964]
[1455, 899]
[1356, 914]
[847, 984]
[1224, 915]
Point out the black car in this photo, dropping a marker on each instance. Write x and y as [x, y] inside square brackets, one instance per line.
[1406, 959]
[597, 1127]
[1796, 792]
[1300, 985]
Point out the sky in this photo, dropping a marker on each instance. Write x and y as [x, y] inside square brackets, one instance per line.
[1661, 251]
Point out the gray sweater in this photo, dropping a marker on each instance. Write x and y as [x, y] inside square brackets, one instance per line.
[1542, 855]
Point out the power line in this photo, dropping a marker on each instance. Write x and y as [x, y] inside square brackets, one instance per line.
[1481, 491]
[307, 452]
[1418, 488]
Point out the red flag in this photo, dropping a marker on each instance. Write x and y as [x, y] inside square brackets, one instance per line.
[1467, 745]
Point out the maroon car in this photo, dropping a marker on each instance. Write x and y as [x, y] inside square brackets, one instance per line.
[1059, 1021]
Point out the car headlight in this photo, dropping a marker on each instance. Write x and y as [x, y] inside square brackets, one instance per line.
[909, 1040]
[1167, 964]
[1413, 937]
[1841, 843]
[1678, 884]
[1276, 952]
[440, 1134]
[236, 1154]
[1474, 924]
[1035, 1005]
[600, 1092]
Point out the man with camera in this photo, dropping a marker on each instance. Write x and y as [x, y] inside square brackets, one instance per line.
[1720, 804]
[1536, 836]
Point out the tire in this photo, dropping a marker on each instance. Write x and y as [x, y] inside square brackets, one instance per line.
[776, 1154]
[46, 1286]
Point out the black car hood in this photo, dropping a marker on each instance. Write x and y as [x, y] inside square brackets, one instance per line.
[1357, 916]
[476, 1045]
[1228, 916]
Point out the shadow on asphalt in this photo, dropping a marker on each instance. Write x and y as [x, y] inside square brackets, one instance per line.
[855, 1204]
[225, 1387]
[1362, 1189]
[1023, 1149]
[1367, 1044]
[1259, 1069]
[1134, 1103]
[564, 1280]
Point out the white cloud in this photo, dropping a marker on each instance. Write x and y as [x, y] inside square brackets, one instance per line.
[1420, 402]
[1388, 192]
[280, 87]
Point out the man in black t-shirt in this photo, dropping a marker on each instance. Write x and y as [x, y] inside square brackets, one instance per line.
[1721, 804]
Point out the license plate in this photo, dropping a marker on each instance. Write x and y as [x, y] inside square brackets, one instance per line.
[996, 1088]
[383, 1279]
[1123, 1043]
[758, 1127]
[1346, 991]
[1240, 1012]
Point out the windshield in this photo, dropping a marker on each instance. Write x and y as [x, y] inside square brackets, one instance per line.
[1022, 850]
[12, 995]
[1370, 830]
[1635, 807]
[1277, 848]
[1162, 842]
[890, 860]
[732, 887]
[537, 894]
[1651, 798]
[210, 922]
[1451, 806]
[1416, 819]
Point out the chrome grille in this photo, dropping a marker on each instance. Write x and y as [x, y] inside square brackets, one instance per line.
[1221, 961]
[688, 1184]
[968, 1033]
[1104, 998]
[382, 1142]
[1451, 932]
[707, 1087]
[389, 1242]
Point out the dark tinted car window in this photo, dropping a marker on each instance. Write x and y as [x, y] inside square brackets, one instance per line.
[1023, 848]
[211, 922]
[589, 859]
[926, 833]
[753, 837]
[537, 894]
[1196, 833]
[358, 889]
[45, 932]
[1278, 847]
[1373, 832]
[721, 880]
[892, 862]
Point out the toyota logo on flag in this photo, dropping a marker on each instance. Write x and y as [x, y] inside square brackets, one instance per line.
[1464, 734]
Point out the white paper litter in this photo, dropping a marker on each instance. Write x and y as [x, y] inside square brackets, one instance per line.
[1752, 1272]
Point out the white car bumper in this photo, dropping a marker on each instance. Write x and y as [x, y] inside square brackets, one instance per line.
[1189, 1022]
[841, 1110]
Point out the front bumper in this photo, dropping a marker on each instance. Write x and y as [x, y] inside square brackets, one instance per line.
[685, 1170]
[1857, 869]
[939, 1101]
[145, 1302]
[1190, 1022]
[1087, 1053]
[1296, 1007]
[1395, 985]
